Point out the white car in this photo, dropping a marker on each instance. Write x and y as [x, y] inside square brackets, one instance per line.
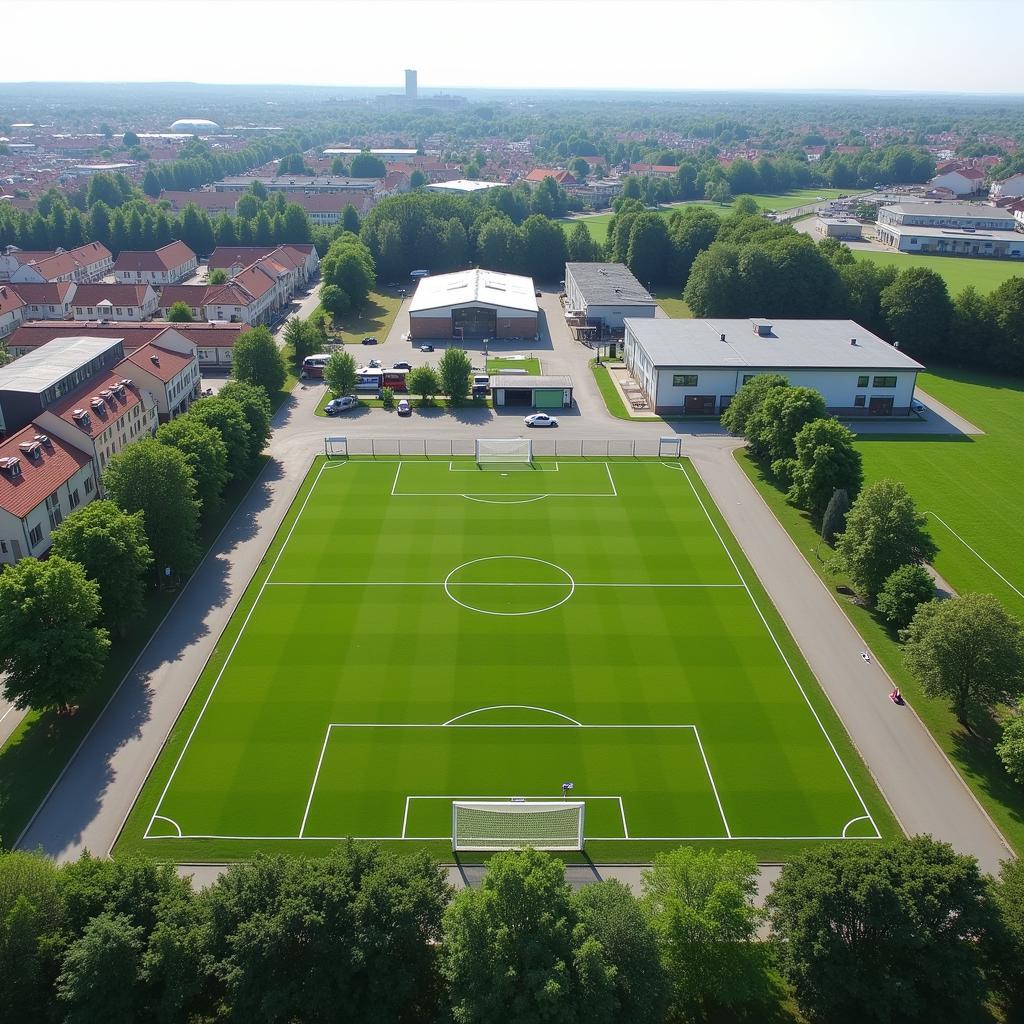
[340, 405]
[540, 419]
[374, 364]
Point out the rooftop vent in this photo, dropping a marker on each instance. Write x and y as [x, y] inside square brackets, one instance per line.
[853, 341]
[11, 465]
[97, 402]
[43, 439]
[128, 382]
[723, 337]
[33, 449]
[155, 360]
[79, 414]
[762, 328]
[106, 393]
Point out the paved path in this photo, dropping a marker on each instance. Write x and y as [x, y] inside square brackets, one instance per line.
[89, 802]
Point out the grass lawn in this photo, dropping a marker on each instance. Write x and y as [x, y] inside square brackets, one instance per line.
[38, 749]
[674, 305]
[375, 318]
[612, 397]
[957, 271]
[424, 630]
[531, 364]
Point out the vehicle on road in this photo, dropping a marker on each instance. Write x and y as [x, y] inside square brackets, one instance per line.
[537, 294]
[401, 366]
[339, 405]
[313, 366]
[375, 364]
[540, 419]
[404, 408]
[369, 341]
[426, 348]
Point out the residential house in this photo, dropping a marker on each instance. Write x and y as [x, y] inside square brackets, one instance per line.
[169, 369]
[12, 310]
[167, 265]
[1013, 186]
[50, 301]
[115, 302]
[87, 263]
[538, 174]
[653, 170]
[43, 479]
[960, 179]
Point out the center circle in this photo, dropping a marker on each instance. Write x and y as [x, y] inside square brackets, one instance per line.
[509, 585]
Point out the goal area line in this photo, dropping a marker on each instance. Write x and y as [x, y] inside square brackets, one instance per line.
[510, 496]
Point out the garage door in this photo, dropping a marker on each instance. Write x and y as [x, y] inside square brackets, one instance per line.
[548, 398]
[699, 405]
[519, 396]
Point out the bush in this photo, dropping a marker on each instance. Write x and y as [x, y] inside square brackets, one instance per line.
[1011, 747]
[387, 396]
[904, 589]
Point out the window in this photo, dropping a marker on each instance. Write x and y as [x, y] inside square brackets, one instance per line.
[748, 377]
[3, 546]
[885, 382]
[862, 382]
[684, 380]
[35, 535]
[88, 485]
[53, 509]
[858, 401]
[74, 498]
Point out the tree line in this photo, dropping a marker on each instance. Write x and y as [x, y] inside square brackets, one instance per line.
[967, 650]
[58, 615]
[856, 932]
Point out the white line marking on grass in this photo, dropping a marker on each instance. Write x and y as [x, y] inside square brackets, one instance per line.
[975, 553]
[622, 811]
[711, 779]
[440, 583]
[778, 647]
[170, 821]
[316, 775]
[853, 821]
[592, 839]
[234, 645]
[608, 470]
[405, 816]
[570, 582]
[517, 707]
[510, 501]
[394, 483]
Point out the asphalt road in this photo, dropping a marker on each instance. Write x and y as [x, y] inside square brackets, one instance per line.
[89, 802]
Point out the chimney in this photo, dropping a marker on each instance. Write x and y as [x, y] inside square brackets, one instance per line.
[723, 337]
[155, 360]
[853, 341]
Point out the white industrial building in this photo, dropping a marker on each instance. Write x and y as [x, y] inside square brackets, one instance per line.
[463, 186]
[953, 229]
[474, 304]
[604, 294]
[695, 367]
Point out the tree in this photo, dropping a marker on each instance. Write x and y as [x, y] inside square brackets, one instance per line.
[350, 219]
[614, 916]
[745, 206]
[904, 589]
[826, 461]
[217, 276]
[424, 381]
[649, 254]
[918, 312]
[100, 976]
[206, 454]
[581, 246]
[151, 184]
[1008, 897]
[227, 419]
[1011, 747]
[152, 478]
[365, 165]
[772, 429]
[454, 369]
[303, 337]
[417, 179]
[833, 521]
[51, 648]
[512, 951]
[179, 313]
[349, 265]
[883, 531]
[256, 359]
[968, 649]
[700, 905]
[340, 372]
[335, 300]
[111, 547]
[255, 405]
[883, 932]
[748, 400]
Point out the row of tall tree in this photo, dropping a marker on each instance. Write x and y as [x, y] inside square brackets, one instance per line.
[859, 932]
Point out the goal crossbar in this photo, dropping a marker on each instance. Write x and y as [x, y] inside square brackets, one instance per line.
[489, 825]
[336, 446]
[514, 449]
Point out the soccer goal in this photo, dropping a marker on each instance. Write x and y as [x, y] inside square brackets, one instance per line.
[516, 449]
[336, 447]
[514, 824]
[670, 447]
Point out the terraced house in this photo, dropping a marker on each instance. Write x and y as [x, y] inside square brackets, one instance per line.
[167, 265]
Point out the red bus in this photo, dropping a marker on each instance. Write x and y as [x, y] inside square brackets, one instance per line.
[394, 379]
[313, 366]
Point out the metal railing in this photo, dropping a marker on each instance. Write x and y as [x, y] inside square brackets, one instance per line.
[543, 447]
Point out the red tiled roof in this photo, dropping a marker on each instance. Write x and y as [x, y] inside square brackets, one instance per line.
[52, 267]
[35, 333]
[52, 293]
[97, 419]
[39, 477]
[169, 257]
[226, 256]
[255, 280]
[168, 363]
[540, 173]
[117, 294]
[10, 300]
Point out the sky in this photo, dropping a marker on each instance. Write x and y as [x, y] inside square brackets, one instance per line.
[899, 45]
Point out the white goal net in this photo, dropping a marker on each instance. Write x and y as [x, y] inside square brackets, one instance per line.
[336, 446]
[514, 824]
[670, 447]
[517, 449]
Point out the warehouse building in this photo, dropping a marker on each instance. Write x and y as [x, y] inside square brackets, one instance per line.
[602, 295]
[529, 391]
[474, 304]
[695, 367]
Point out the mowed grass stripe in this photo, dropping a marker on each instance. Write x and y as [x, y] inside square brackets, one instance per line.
[671, 655]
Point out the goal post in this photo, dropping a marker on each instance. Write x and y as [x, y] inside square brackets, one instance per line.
[670, 447]
[489, 825]
[336, 447]
[516, 449]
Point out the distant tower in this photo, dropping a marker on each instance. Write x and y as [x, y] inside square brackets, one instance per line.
[410, 84]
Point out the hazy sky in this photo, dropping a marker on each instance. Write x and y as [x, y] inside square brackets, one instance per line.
[916, 45]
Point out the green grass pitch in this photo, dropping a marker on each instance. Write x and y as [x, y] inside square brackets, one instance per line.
[430, 630]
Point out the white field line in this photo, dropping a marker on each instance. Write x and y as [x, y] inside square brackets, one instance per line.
[782, 654]
[316, 775]
[428, 583]
[447, 838]
[394, 483]
[608, 470]
[472, 467]
[853, 821]
[512, 707]
[230, 654]
[711, 779]
[980, 558]
[622, 811]
[171, 821]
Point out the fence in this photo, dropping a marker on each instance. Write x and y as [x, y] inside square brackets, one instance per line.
[543, 446]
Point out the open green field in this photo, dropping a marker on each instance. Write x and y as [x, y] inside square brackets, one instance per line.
[375, 318]
[531, 364]
[957, 271]
[429, 630]
[597, 223]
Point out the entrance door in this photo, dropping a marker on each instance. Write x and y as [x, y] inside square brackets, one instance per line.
[475, 322]
[880, 407]
[699, 405]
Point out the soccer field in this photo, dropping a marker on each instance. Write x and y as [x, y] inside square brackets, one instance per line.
[427, 631]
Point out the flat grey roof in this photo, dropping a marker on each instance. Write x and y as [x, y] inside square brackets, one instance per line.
[608, 284]
[934, 231]
[36, 371]
[793, 344]
[950, 209]
[526, 380]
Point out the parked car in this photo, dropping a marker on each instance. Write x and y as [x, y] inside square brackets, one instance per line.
[537, 294]
[540, 419]
[404, 408]
[339, 405]
[401, 366]
[426, 348]
[375, 364]
[369, 341]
